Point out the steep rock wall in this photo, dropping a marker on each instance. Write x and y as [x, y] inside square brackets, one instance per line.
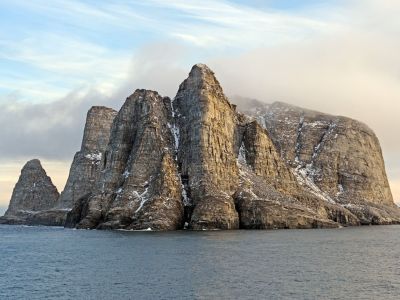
[207, 160]
[137, 166]
[86, 167]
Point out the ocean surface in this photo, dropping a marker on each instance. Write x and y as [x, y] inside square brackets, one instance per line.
[57, 263]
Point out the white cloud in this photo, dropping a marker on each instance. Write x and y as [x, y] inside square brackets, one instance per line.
[82, 15]
[219, 24]
[64, 58]
[62, 63]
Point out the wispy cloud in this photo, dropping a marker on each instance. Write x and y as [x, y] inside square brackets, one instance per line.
[60, 64]
[224, 24]
[91, 43]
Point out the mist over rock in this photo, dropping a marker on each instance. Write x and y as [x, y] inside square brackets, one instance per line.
[196, 162]
[336, 157]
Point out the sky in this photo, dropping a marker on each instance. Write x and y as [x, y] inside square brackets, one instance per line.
[59, 57]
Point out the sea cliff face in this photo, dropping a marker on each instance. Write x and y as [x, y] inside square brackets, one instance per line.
[139, 186]
[86, 167]
[196, 162]
[336, 157]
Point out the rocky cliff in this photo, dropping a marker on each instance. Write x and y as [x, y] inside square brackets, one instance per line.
[195, 162]
[207, 125]
[333, 156]
[33, 195]
[84, 173]
[139, 186]
[222, 168]
[86, 167]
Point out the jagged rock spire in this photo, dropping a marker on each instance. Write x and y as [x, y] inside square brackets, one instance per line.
[140, 186]
[86, 166]
[207, 126]
[34, 190]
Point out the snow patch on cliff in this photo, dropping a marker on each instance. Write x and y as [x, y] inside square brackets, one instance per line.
[242, 154]
[304, 176]
[95, 158]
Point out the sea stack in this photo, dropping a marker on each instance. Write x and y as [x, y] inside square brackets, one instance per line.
[33, 193]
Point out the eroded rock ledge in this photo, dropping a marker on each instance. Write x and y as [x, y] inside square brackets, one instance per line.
[195, 162]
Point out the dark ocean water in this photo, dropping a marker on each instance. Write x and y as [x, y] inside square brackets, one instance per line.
[56, 263]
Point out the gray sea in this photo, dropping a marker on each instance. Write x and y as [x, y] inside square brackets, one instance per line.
[57, 263]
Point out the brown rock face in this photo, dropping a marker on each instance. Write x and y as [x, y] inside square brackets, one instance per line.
[139, 187]
[207, 127]
[269, 195]
[233, 174]
[85, 168]
[342, 156]
[264, 159]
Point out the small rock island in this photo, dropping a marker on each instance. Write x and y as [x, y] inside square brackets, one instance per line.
[200, 162]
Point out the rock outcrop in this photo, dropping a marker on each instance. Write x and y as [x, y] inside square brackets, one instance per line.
[139, 186]
[33, 194]
[86, 167]
[84, 173]
[197, 163]
[207, 125]
[338, 158]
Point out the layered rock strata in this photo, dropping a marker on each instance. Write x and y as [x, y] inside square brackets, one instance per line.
[207, 124]
[221, 168]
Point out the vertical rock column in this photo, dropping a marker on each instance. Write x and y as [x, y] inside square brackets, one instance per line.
[207, 129]
[86, 166]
